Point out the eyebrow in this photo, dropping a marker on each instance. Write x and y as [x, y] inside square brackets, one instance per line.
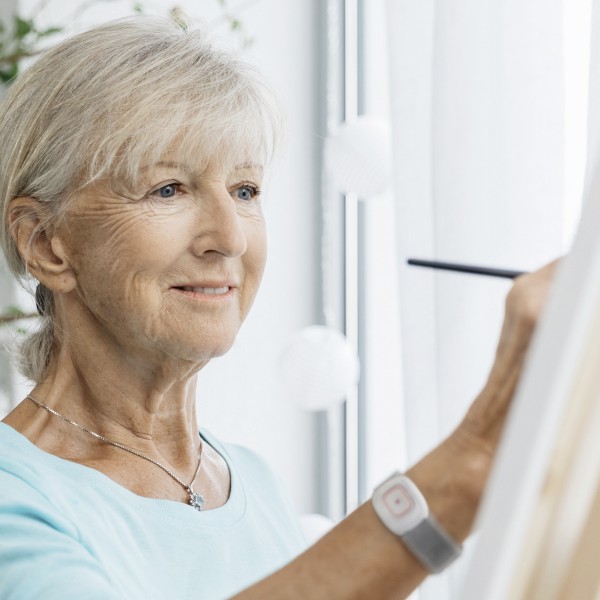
[249, 165]
[169, 164]
[188, 169]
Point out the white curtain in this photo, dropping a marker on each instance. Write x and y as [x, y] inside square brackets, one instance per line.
[478, 117]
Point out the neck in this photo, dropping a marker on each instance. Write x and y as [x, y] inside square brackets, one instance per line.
[153, 413]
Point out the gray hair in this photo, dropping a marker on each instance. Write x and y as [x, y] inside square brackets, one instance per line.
[103, 103]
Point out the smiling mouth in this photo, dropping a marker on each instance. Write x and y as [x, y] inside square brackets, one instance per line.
[212, 291]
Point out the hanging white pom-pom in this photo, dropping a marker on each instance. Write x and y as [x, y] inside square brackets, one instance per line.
[359, 156]
[319, 367]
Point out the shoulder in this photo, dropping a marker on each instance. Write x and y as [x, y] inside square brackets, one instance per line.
[37, 535]
[15, 456]
[32, 485]
[26, 486]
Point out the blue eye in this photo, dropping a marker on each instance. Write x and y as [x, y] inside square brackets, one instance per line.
[247, 192]
[170, 190]
[167, 191]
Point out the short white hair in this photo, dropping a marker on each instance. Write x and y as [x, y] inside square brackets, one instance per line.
[103, 103]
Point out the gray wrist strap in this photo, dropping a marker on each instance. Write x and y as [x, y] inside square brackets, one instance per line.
[434, 548]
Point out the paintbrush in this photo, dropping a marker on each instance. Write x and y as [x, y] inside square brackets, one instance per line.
[473, 269]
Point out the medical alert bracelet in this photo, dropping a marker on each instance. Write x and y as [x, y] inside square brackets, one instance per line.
[404, 511]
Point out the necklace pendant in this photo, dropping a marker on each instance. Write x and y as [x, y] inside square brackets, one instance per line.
[196, 500]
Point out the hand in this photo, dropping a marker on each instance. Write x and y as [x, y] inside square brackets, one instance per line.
[485, 419]
[452, 478]
[453, 475]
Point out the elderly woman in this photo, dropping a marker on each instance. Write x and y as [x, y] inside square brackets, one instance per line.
[132, 163]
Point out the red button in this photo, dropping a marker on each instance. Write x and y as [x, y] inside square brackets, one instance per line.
[398, 501]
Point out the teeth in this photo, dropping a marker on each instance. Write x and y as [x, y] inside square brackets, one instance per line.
[207, 290]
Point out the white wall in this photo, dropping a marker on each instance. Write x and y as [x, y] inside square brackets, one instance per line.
[242, 399]
[239, 396]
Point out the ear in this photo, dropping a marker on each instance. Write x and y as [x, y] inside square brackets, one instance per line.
[39, 245]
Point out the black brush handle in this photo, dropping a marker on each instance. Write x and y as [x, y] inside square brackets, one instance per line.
[475, 270]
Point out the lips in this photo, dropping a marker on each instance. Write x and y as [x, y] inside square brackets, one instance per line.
[208, 287]
[216, 291]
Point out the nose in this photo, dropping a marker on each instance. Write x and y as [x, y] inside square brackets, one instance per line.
[219, 226]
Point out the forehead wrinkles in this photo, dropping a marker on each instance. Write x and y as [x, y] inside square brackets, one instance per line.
[196, 175]
[196, 144]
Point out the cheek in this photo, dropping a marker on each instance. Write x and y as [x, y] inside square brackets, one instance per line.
[108, 271]
[254, 264]
[110, 241]
[257, 250]
[113, 261]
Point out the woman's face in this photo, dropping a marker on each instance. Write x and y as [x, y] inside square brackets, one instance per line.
[172, 272]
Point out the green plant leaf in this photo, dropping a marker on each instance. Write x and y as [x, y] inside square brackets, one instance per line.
[8, 73]
[49, 31]
[23, 27]
[12, 311]
[178, 17]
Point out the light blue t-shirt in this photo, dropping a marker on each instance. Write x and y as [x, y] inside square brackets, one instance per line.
[69, 532]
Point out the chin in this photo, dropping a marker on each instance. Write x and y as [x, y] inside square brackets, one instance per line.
[197, 345]
[210, 350]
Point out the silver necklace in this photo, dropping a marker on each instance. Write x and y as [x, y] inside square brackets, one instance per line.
[196, 500]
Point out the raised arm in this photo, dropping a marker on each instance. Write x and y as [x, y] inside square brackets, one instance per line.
[361, 558]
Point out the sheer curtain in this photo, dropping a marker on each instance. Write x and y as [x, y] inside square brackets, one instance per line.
[482, 176]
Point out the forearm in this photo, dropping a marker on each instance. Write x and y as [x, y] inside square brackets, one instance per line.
[360, 558]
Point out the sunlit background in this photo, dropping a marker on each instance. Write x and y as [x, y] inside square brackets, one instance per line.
[474, 150]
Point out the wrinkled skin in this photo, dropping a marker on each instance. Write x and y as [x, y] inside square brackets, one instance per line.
[132, 340]
[131, 337]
